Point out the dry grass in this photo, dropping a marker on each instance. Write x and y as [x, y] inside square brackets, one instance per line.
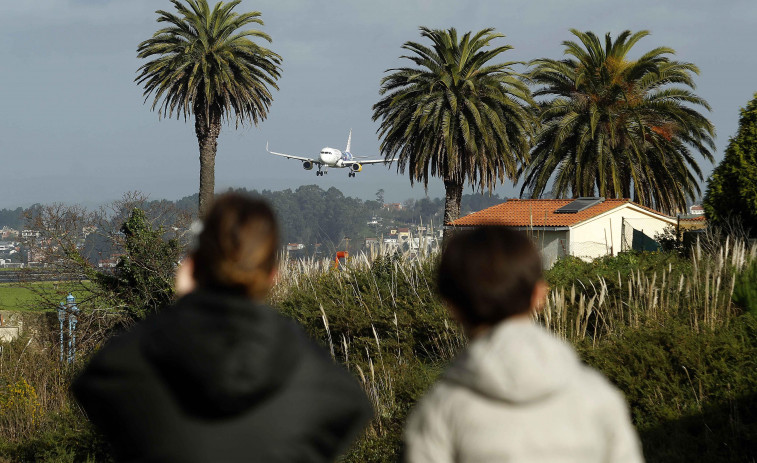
[703, 297]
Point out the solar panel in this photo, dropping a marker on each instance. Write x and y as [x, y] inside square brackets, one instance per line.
[579, 205]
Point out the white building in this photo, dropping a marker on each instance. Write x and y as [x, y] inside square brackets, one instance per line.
[696, 209]
[585, 227]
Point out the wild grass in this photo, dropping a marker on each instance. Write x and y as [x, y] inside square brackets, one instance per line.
[603, 307]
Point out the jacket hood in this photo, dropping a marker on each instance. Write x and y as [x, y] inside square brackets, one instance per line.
[516, 361]
[221, 354]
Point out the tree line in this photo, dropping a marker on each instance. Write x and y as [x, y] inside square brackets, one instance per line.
[308, 214]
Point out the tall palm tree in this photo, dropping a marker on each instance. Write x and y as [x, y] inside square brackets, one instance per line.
[618, 127]
[456, 115]
[204, 63]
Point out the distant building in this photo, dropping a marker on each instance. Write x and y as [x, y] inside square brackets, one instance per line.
[696, 209]
[29, 234]
[295, 246]
[9, 233]
[107, 263]
[393, 207]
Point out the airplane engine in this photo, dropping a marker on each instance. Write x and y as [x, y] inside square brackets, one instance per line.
[357, 167]
[307, 165]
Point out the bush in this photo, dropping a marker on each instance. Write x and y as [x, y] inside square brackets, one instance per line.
[693, 396]
[732, 187]
[569, 270]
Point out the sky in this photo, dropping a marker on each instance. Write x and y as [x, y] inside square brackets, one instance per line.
[74, 126]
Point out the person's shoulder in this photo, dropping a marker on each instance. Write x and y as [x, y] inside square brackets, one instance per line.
[115, 367]
[601, 392]
[120, 351]
[443, 403]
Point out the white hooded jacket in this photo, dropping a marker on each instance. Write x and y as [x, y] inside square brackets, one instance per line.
[519, 394]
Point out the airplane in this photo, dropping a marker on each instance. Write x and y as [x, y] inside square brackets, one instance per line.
[332, 157]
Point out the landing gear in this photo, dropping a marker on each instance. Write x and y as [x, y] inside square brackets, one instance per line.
[320, 173]
[350, 174]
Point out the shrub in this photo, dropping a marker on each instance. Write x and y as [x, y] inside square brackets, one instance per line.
[732, 187]
[693, 396]
[20, 409]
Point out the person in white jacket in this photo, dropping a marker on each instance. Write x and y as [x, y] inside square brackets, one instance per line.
[517, 393]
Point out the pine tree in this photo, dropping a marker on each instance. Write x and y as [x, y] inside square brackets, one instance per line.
[732, 189]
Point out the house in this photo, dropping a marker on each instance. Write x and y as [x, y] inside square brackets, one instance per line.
[585, 227]
[696, 209]
[29, 234]
[9, 233]
[692, 223]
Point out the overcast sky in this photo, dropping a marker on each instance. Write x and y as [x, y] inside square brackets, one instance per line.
[74, 128]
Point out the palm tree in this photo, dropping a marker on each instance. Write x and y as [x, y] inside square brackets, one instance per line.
[456, 115]
[205, 64]
[618, 127]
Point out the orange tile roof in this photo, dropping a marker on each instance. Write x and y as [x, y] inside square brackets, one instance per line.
[693, 219]
[538, 213]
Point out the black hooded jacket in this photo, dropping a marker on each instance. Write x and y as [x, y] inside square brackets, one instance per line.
[218, 378]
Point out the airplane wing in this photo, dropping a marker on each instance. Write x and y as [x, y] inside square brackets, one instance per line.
[367, 161]
[289, 156]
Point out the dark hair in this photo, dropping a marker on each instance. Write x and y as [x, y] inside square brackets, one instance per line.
[236, 250]
[488, 274]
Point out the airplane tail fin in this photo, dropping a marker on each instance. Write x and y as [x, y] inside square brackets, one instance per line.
[349, 142]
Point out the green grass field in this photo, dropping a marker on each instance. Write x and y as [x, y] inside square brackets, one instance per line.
[14, 297]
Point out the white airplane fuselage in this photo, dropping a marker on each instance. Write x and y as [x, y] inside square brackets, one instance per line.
[333, 157]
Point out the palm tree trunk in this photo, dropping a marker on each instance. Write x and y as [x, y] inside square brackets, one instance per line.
[453, 195]
[207, 128]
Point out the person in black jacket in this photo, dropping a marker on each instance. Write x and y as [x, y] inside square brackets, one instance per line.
[219, 376]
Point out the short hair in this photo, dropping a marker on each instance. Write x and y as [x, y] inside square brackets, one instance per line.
[236, 250]
[489, 274]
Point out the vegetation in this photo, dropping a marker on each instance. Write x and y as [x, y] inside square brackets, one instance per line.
[618, 127]
[142, 282]
[25, 298]
[732, 189]
[205, 64]
[457, 115]
[661, 326]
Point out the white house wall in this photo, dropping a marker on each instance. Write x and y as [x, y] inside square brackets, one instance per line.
[552, 244]
[601, 235]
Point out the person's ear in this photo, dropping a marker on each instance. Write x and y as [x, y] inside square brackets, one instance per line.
[539, 296]
[184, 282]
